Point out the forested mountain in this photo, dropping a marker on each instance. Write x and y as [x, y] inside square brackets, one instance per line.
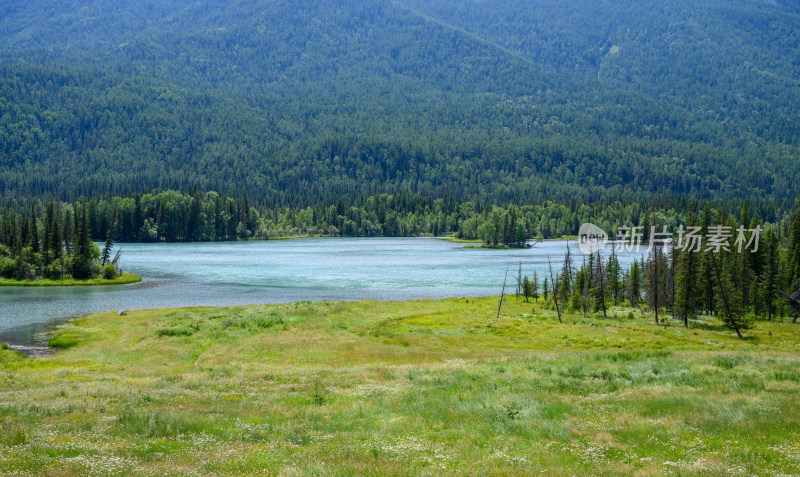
[305, 102]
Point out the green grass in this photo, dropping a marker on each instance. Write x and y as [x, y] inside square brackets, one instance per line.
[126, 278]
[458, 240]
[424, 387]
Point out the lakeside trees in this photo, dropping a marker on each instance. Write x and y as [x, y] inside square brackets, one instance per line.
[25, 254]
[742, 285]
[191, 215]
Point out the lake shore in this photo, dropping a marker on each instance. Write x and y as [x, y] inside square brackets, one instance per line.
[400, 387]
[126, 278]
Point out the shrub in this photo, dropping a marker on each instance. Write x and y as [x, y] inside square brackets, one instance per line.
[178, 331]
[53, 270]
[96, 269]
[8, 267]
[109, 271]
[726, 361]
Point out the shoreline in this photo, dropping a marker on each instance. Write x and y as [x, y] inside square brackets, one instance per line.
[125, 279]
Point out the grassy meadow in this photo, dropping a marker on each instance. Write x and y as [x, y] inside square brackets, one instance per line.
[425, 387]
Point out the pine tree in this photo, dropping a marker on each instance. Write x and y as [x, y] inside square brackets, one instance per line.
[54, 235]
[82, 260]
[34, 232]
[48, 230]
[106, 255]
[729, 310]
[635, 285]
[68, 231]
[794, 245]
[771, 272]
[24, 236]
[687, 292]
[565, 288]
[526, 289]
[707, 294]
[655, 276]
[545, 287]
[599, 286]
[613, 275]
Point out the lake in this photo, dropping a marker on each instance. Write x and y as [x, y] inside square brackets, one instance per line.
[279, 271]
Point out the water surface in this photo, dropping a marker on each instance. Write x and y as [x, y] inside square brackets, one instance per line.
[240, 273]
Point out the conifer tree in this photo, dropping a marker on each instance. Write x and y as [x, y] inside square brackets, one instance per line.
[771, 272]
[68, 231]
[635, 285]
[82, 260]
[654, 277]
[599, 286]
[687, 292]
[565, 288]
[34, 232]
[708, 297]
[106, 255]
[54, 234]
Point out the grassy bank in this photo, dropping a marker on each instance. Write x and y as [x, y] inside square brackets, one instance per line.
[70, 282]
[411, 388]
[458, 240]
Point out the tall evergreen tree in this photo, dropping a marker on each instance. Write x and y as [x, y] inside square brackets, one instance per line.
[599, 286]
[771, 272]
[34, 232]
[68, 231]
[82, 260]
[687, 291]
[106, 255]
[55, 244]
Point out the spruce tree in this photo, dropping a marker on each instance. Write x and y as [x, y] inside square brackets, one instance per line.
[566, 277]
[55, 245]
[687, 292]
[68, 231]
[655, 276]
[34, 232]
[106, 255]
[708, 297]
[771, 272]
[599, 286]
[635, 285]
[82, 260]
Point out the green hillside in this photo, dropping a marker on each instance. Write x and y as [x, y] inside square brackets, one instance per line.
[506, 101]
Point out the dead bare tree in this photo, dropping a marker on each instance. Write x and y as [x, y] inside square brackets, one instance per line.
[732, 320]
[115, 261]
[502, 294]
[555, 294]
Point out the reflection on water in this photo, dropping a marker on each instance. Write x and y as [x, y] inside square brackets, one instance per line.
[239, 273]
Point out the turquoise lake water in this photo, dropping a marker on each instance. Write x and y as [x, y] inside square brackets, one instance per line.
[239, 273]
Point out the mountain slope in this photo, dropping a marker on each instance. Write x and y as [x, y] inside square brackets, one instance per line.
[505, 100]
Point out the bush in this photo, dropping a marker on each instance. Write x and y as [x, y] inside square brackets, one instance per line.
[109, 271]
[96, 270]
[726, 361]
[178, 331]
[53, 271]
[8, 267]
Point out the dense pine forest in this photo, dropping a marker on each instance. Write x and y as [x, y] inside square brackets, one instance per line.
[305, 104]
